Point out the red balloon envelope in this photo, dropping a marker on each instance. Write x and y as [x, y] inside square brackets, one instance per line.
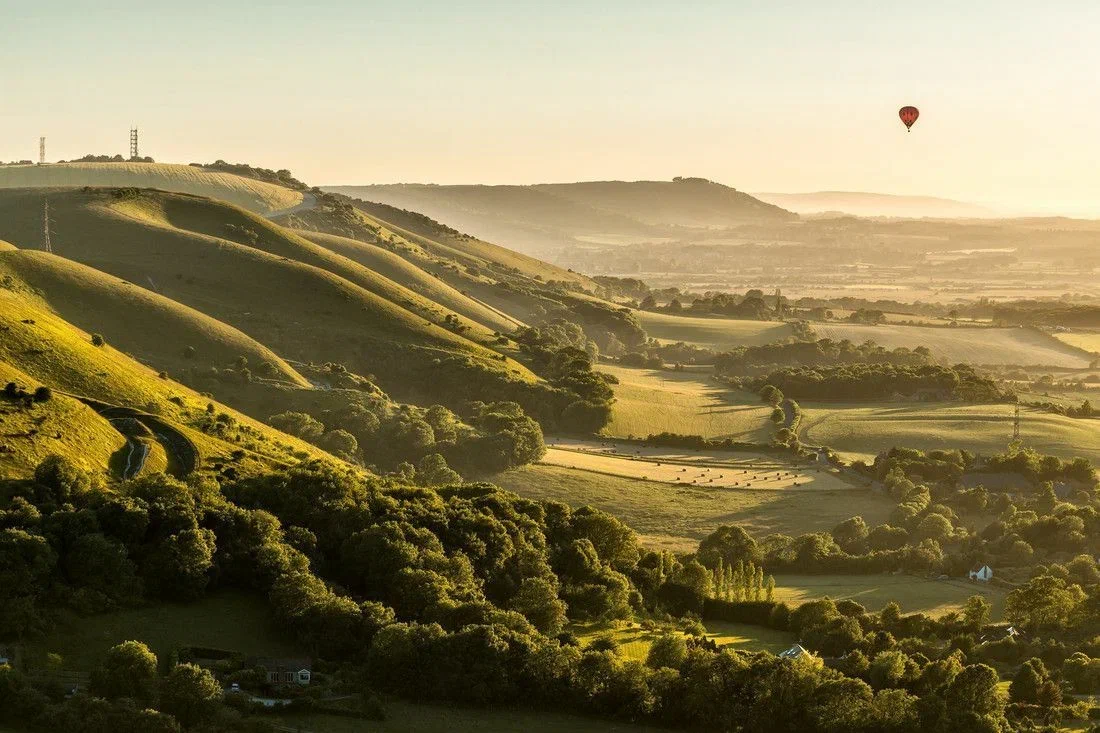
[908, 115]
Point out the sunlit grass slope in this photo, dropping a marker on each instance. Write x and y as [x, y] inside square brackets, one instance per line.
[713, 333]
[145, 324]
[52, 352]
[249, 193]
[62, 425]
[301, 311]
[401, 271]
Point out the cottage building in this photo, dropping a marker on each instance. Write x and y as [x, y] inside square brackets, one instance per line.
[983, 573]
[283, 672]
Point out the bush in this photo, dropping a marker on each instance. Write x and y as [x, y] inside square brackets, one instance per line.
[43, 394]
[98, 340]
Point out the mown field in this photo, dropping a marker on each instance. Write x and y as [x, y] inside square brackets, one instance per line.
[861, 431]
[634, 641]
[1089, 341]
[714, 333]
[689, 402]
[934, 597]
[258, 196]
[1022, 346]
[677, 517]
[233, 621]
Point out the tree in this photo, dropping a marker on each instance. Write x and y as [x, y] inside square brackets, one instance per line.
[190, 694]
[730, 543]
[298, 424]
[667, 650]
[1027, 682]
[973, 702]
[537, 599]
[98, 340]
[432, 470]
[62, 478]
[43, 394]
[771, 395]
[976, 612]
[129, 669]
[339, 443]
[1046, 601]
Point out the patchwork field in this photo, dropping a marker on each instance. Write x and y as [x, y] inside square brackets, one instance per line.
[861, 431]
[714, 333]
[651, 401]
[934, 597]
[231, 621]
[667, 516]
[1022, 346]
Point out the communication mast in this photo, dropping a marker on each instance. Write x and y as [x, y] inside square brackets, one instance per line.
[133, 143]
[41, 151]
[46, 225]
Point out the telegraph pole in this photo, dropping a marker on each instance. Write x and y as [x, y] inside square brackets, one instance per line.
[46, 224]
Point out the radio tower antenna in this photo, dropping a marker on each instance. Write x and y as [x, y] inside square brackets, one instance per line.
[46, 224]
[41, 151]
[133, 143]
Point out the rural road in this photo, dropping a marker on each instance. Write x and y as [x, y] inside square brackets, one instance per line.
[308, 202]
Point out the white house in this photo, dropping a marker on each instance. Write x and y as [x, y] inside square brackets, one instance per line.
[984, 573]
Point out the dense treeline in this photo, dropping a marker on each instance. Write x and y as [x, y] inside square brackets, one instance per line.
[823, 352]
[878, 381]
[1045, 313]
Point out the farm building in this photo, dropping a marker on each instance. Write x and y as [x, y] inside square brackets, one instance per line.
[283, 672]
[983, 573]
[794, 652]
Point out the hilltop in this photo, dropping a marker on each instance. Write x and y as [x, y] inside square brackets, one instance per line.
[539, 218]
[259, 196]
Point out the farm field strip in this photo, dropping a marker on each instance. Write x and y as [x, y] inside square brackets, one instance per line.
[747, 473]
[912, 593]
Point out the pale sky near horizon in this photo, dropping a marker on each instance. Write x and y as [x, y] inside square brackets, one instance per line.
[762, 96]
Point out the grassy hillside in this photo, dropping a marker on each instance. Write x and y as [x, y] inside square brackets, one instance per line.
[301, 311]
[1022, 346]
[689, 402]
[403, 272]
[713, 333]
[62, 425]
[137, 320]
[863, 431]
[248, 193]
[1088, 341]
[51, 352]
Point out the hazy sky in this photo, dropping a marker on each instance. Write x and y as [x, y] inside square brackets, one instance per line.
[763, 96]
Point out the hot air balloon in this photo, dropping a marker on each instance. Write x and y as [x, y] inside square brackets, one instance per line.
[908, 116]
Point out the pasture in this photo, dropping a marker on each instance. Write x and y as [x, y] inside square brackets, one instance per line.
[667, 516]
[933, 597]
[862, 431]
[634, 641]
[688, 402]
[714, 333]
[1023, 346]
[233, 621]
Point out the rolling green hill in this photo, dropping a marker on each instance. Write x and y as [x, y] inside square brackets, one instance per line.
[300, 310]
[248, 193]
[135, 319]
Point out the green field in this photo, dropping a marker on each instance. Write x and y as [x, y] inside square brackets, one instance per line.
[232, 621]
[689, 402]
[634, 641]
[913, 594]
[862, 431]
[713, 333]
[677, 517]
[1023, 346]
[249, 193]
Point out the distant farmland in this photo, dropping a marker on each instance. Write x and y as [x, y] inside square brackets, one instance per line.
[715, 333]
[860, 430]
[1022, 346]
